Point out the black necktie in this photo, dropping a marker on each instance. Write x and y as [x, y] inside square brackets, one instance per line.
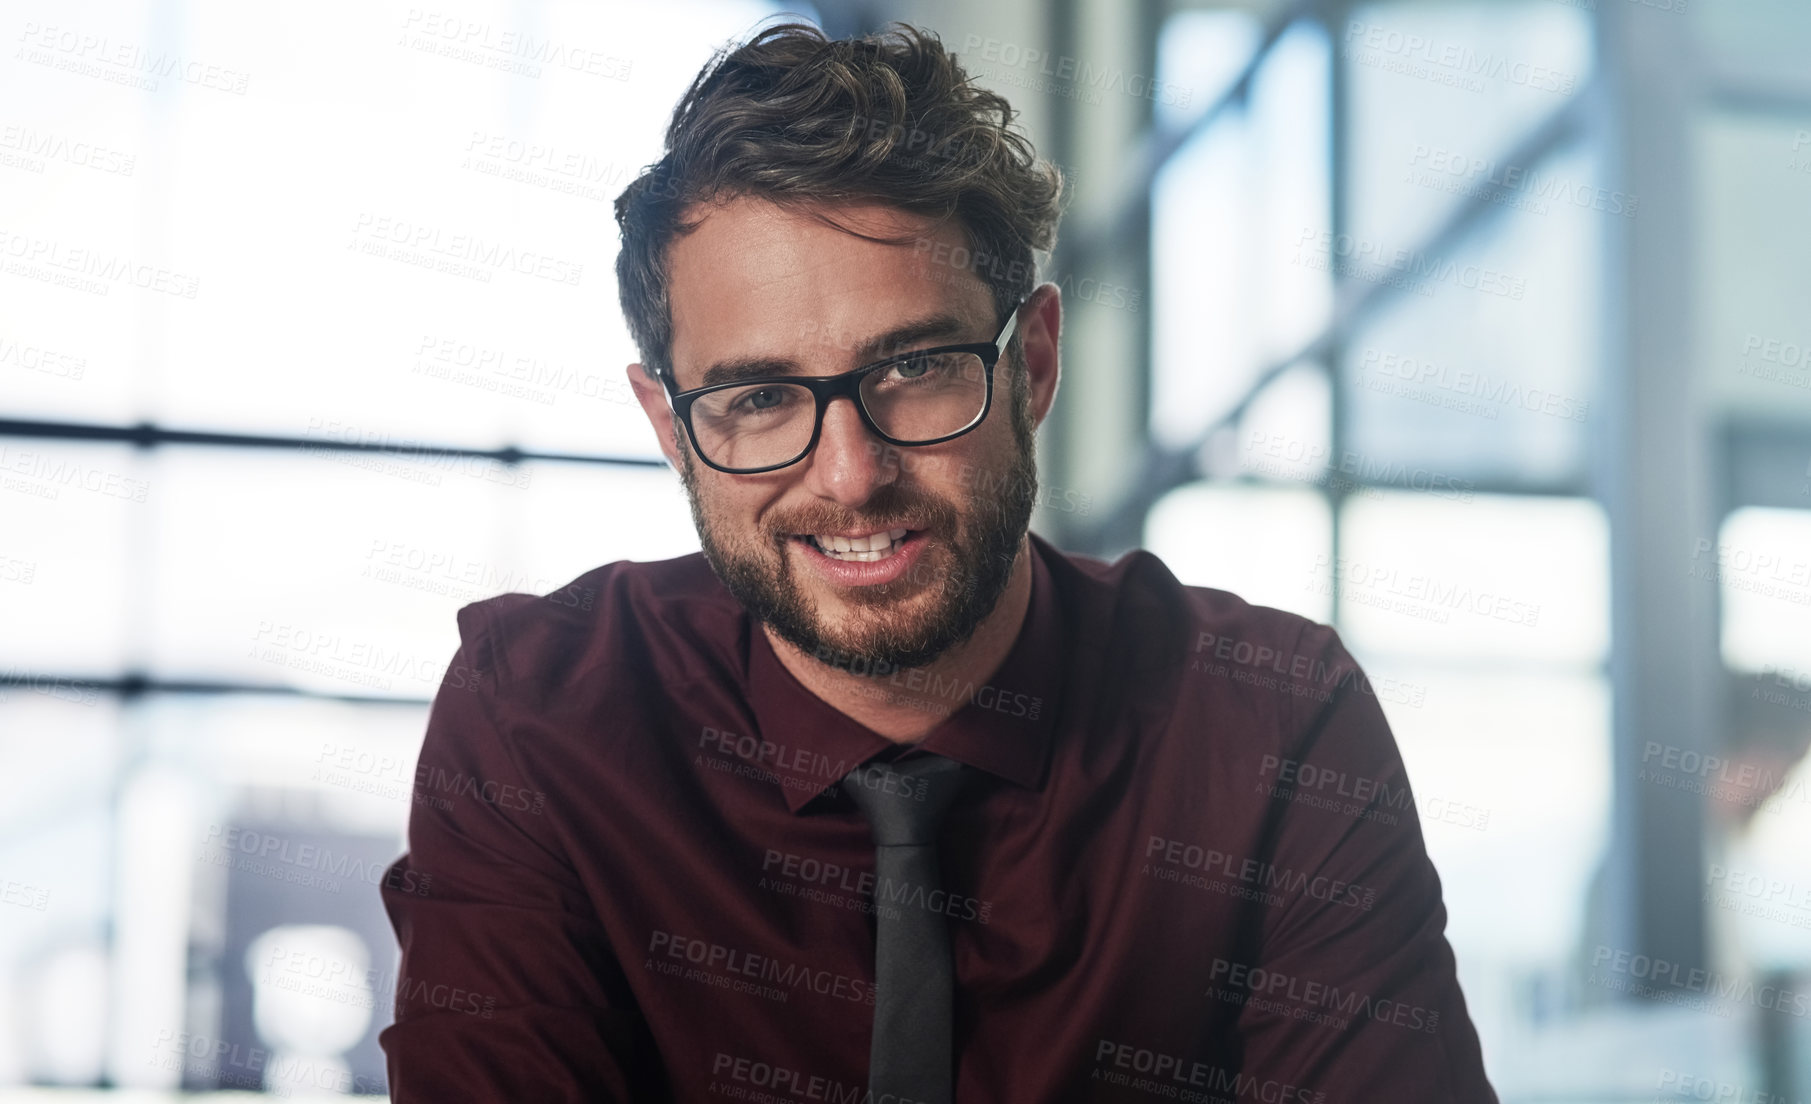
[910, 1055]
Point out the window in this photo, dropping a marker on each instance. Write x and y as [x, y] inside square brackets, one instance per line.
[348, 239]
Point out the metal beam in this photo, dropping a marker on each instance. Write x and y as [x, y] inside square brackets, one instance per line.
[151, 435]
[137, 685]
[1653, 464]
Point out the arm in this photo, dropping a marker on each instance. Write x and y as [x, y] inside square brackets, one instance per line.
[1357, 1000]
[508, 987]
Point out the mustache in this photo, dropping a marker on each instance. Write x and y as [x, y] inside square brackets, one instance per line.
[915, 511]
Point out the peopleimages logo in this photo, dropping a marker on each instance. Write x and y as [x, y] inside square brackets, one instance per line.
[120, 62]
[1302, 675]
[1083, 74]
[1311, 1001]
[308, 864]
[754, 1080]
[724, 967]
[33, 148]
[816, 873]
[458, 252]
[1362, 258]
[83, 268]
[1221, 867]
[511, 51]
[1161, 1073]
[1457, 59]
[35, 358]
[1672, 982]
[1470, 383]
[1427, 597]
[1512, 180]
[49, 475]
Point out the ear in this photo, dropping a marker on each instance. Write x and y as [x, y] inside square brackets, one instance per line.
[1040, 330]
[652, 396]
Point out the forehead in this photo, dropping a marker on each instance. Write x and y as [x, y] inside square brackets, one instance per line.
[756, 279]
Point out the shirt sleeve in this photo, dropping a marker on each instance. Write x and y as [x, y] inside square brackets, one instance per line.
[508, 988]
[1352, 990]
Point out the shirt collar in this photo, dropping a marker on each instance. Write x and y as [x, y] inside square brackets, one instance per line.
[1004, 725]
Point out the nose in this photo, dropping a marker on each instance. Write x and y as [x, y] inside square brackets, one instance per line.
[849, 463]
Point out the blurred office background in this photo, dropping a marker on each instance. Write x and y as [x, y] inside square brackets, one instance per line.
[1481, 330]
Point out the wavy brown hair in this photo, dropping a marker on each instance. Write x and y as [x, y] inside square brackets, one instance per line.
[800, 119]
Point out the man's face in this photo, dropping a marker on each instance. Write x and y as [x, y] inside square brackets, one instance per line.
[755, 281]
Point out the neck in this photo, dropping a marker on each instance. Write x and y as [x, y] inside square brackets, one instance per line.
[897, 705]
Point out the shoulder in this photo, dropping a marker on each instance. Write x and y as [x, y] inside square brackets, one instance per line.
[1207, 664]
[626, 615]
[1136, 601]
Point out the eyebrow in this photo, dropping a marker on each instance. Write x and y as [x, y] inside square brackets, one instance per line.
[875, 348]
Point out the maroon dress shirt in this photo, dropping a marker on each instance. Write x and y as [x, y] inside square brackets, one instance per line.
[1188, 865]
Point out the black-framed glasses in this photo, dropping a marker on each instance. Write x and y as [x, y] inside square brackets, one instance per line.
[923, 397]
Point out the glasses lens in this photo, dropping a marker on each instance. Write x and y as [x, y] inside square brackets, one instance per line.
[922, 398]
[753, 426]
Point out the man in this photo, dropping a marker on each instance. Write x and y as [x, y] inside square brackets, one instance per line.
[882, 798]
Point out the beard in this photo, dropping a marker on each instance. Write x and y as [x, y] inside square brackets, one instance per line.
[885, 627]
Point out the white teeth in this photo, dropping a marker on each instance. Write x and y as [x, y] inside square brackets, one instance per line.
[876, 546]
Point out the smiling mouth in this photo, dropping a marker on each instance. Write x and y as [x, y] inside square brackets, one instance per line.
[867, 548]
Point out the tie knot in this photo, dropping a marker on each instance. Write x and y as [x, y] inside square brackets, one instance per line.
[905, 801]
